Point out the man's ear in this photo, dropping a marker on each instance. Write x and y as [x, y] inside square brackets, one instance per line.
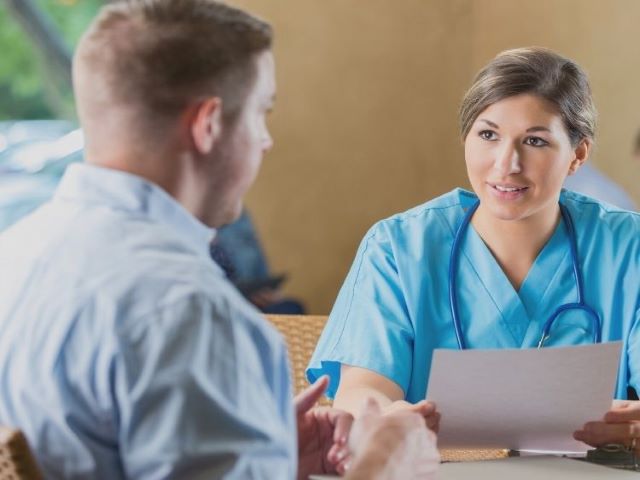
[206, 124]
[581, 152]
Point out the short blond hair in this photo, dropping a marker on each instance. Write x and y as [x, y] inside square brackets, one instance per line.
[160, 55]
[537, 71]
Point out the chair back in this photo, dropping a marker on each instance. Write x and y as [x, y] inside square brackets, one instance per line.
[16, 459]
[301, 332]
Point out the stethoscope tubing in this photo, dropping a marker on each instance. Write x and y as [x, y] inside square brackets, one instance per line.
[577, 274]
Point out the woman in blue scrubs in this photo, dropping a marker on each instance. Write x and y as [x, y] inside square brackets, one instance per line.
[527, 122]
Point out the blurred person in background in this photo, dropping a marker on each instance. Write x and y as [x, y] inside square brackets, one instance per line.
[237, 250]
[590, 181]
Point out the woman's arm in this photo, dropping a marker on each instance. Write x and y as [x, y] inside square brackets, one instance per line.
[357, 385]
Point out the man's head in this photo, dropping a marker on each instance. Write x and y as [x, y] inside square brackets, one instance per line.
[176, 91]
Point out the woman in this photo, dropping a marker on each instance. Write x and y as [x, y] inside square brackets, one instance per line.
[527, 122]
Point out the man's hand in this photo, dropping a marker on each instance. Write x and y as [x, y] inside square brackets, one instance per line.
[322, 433]
[393, 445]
[620, 425]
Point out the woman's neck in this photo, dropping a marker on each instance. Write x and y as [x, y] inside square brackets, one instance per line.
[515, 244]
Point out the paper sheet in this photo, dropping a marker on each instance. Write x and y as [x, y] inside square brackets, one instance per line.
[521, 399]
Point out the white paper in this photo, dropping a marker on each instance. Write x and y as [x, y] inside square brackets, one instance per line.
[526, 399]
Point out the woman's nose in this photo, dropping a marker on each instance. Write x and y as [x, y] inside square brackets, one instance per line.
[507, 160]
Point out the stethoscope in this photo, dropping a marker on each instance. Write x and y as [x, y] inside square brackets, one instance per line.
[579, 305]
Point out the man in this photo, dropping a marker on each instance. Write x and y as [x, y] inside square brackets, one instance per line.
[590, 181]
[124, 353]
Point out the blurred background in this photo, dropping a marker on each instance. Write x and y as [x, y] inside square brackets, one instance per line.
[365, 123]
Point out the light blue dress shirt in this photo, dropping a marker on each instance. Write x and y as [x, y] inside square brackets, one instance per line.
[393, 309]
[124, 352]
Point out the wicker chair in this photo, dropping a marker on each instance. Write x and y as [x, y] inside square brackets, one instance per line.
[301, 333]
[16, 460]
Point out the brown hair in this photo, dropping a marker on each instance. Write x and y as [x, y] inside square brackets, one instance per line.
[160, 55]
[537, 71]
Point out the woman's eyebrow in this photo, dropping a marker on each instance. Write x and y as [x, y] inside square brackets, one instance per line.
[538, 129]
[490, 123]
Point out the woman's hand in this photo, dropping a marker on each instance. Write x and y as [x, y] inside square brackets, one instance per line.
[424, 408]
[620, 425]
[358, 384]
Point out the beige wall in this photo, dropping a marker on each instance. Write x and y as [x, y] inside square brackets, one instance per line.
[365, 123]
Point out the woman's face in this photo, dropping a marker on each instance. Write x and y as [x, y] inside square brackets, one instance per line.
[518, 154]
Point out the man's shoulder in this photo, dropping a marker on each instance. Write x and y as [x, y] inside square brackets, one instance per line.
[123, 267]
[188, 300]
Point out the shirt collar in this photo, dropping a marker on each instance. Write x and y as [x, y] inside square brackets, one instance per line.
[125, 191]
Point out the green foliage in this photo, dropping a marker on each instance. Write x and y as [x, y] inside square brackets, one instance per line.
[71, 16]
[22, 70]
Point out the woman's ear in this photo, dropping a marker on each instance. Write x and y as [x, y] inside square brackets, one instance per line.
[581, 154]
[206, 124]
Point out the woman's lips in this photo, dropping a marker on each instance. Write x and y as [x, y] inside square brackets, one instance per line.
[505, 191]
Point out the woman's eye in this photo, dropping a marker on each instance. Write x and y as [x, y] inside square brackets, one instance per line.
[487, 135]
[535, 142]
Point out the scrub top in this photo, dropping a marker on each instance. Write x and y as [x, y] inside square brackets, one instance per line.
[393, 309]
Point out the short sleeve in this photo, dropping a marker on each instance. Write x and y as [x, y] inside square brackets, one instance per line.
[369, 325]
[202, 393]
